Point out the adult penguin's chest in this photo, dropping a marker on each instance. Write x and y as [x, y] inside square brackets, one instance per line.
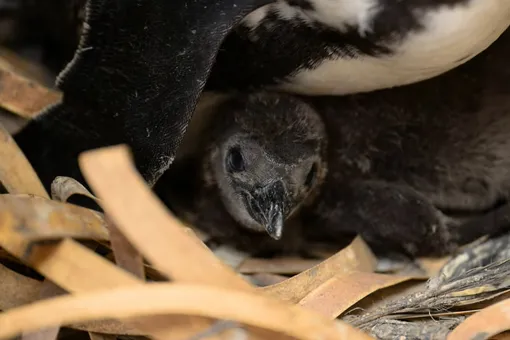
[347, 46]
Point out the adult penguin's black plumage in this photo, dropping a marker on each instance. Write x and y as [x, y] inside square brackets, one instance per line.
[142, 64]
[135, 78]
[396, 160]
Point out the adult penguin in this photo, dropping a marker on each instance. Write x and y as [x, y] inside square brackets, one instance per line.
[332, 47]
[142, 64]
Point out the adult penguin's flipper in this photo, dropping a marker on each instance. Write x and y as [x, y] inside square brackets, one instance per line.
[135, 79]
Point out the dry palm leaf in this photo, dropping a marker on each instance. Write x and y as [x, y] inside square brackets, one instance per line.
[41, 219]
[157, 299]
[47, 290]
[340, 292]
[23, 96]
[484, 324]
[62, 188]
[32, 72]
[16, 173]
[356, 257]
[16, 289]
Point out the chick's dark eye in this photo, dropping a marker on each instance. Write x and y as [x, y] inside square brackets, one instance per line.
[235, 161]
[310, 178]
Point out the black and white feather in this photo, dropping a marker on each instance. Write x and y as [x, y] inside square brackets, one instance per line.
[327, 47]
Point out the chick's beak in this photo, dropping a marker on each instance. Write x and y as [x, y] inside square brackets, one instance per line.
[267, 206]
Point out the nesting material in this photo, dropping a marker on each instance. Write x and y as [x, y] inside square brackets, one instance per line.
[136, 270]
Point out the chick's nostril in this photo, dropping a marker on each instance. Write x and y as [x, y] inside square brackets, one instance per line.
[277, 194]
[264, 203]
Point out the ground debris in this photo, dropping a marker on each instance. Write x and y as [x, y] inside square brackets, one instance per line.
[479, 274]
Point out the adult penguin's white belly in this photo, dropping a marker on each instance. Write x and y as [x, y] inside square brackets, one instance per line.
[348, 46]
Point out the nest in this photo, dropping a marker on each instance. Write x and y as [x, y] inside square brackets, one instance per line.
[137, 271]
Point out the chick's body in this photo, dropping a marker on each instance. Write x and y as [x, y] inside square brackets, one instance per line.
[397, 164]
[396, 160]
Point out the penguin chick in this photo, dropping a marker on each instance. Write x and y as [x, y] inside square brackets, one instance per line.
[263, 158]
[397, 161]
